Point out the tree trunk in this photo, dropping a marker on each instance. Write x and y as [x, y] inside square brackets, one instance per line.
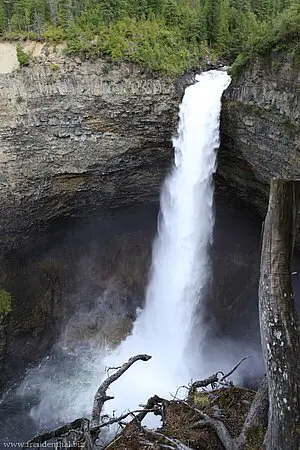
[278, 318]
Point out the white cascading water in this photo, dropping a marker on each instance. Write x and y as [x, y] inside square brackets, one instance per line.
[179, 275]
[180, 264]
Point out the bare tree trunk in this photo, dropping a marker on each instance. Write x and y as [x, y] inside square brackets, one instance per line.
[279, 325]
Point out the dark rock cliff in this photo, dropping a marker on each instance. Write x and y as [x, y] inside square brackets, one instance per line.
[260, 128]
[78, 142]
[78, 138]
[94, 269]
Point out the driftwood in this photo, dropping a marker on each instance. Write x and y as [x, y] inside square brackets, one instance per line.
[154, 404]
[210, 381]
[279, 324]
[101, 397]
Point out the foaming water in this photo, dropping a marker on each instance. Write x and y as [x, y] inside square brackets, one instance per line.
[178, 278]
[180, 262]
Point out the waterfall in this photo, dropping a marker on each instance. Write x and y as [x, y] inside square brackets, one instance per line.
[180, 262]
[177, 280]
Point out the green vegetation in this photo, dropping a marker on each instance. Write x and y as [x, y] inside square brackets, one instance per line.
[201, 400]
[160, 35]
[5, 302]
[22, 56]
[278, 36]
[147, 43]
[54, 67]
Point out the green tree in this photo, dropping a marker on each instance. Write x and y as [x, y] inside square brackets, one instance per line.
[3, 19]
[22, 56]
[213, 20]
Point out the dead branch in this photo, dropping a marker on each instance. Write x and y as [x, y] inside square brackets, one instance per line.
[214, 379]
[234, 368]
[181, 387]
[154, 403]
[216, 424]
[79, 424]
[87, 434]
[142, 413]
[176, 444]
[101, 397]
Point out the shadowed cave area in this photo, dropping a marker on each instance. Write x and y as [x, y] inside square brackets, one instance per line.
[81, 284]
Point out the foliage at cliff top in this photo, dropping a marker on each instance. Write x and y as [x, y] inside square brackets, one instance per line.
[282, 35]
[160, 35]
[5, 302]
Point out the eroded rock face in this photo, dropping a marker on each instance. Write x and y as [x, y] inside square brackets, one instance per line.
[79, 137]
[260, 128]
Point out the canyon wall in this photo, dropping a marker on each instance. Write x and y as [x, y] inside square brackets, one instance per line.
[260, 128]
[84, 146]
[77, 138]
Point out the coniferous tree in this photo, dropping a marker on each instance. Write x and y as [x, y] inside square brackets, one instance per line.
[213, 20]
[228, 27]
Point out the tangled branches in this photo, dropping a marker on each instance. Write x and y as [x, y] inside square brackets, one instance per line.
[84, 433]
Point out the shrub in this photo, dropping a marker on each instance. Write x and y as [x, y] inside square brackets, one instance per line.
[54, 35]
